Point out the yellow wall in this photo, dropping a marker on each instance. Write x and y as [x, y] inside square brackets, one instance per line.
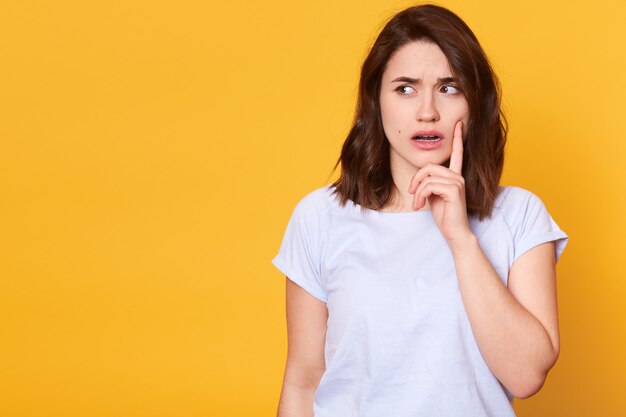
[151, 153]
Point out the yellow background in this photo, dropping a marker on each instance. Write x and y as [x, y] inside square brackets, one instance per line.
[151, 153]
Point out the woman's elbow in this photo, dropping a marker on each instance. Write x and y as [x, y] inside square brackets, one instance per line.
[529, 386]
[526, 389]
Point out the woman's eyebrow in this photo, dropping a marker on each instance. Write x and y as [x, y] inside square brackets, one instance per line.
[406, 80]
[418, 81]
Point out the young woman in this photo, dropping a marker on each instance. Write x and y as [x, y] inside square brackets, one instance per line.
[417, 286]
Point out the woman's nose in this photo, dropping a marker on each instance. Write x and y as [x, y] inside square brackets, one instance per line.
[427, 109]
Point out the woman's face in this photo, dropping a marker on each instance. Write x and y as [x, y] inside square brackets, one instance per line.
[420, 104]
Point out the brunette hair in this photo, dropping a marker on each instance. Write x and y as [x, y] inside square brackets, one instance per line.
[365, 167]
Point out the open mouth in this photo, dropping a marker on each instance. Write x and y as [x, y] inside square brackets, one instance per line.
[426, 138]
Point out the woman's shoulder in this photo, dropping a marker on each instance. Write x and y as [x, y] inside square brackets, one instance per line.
[528, 220]
[512, 197]
[516, 203]
[317, 202]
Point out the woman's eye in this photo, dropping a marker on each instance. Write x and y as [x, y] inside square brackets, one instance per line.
[405, 89]
[450, 89]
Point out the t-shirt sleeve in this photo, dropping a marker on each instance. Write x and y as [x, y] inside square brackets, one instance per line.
[532, 225]
[299, 256]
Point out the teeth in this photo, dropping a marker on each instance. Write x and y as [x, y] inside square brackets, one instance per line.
[427, 138]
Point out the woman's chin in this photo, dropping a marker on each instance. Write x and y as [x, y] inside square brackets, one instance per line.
[435, 161]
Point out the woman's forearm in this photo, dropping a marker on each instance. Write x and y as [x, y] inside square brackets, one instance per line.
[296, 401]
[515, 345]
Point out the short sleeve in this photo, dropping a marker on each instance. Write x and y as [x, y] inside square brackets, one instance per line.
[532, 225]
[299, 256]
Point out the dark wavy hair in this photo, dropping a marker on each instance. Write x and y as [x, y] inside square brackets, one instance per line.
[365, 166]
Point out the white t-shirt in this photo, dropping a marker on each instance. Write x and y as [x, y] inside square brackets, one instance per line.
[399, 342]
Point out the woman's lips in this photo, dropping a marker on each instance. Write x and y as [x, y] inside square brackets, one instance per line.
[427, 139]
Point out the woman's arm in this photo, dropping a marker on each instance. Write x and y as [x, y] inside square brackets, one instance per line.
[516, 328]
[306, 334]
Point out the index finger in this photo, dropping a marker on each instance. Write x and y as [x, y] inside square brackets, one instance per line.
[456, 158]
